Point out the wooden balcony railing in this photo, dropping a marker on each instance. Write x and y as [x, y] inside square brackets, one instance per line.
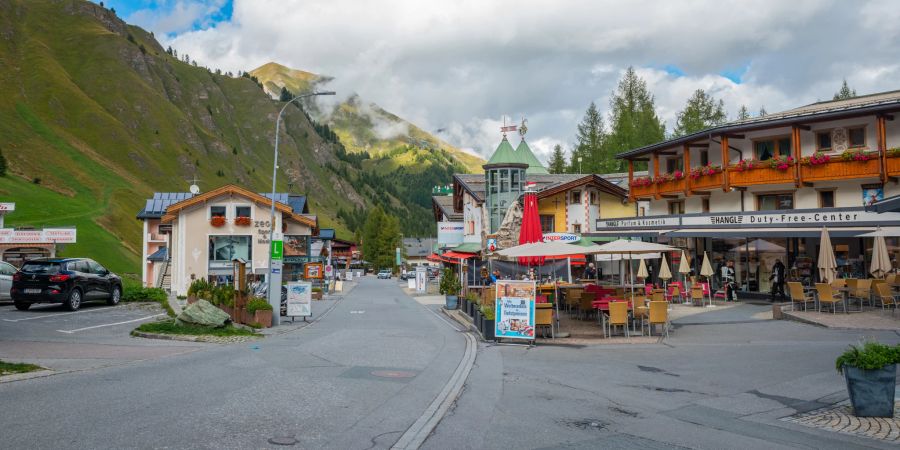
[643, 191]
[706, 182]
[671, 187]
[760, 175]
[838, 169]
[893, 166]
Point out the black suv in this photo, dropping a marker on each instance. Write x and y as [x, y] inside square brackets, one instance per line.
[64, 280]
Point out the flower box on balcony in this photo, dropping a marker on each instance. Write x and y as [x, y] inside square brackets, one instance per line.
[839, 169]
[242, 221]
[670, 186]
[217, 221]
[642, 191]
[704, 182]
[759, 175]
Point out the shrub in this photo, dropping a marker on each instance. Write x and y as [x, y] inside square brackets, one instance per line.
[142, 294]
[870, 355]
[198, 285]
[488, 311]
[316, 289]
[257, 304]
[449, 283]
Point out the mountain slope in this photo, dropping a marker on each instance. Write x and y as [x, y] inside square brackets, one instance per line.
[95, 116]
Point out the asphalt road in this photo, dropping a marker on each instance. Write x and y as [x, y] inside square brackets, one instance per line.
[358, 378]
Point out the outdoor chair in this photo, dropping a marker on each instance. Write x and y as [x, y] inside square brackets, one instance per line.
[827, 296]
[839, 283]
[697, 295]
[658, 296]
[675, 292]
[639, 311]
[543, 319]
[618, 316]
[573, 297]
[798, 296]
[659, 315]
[890, 278]
[586, 304]
[861, 291]
[884, 295]
[620, 292]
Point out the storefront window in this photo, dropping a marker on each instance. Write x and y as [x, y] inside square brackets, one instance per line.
[773, 202]
[227, 248]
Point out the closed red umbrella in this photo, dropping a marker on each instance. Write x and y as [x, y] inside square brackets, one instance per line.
[531, 229]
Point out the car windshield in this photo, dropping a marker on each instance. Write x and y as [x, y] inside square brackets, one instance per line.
[41, 267]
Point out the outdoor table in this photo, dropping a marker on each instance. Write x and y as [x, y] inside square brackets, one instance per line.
[845, 293]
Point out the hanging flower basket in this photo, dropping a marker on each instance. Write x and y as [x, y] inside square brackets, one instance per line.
[703, 171]
[781, 162]
[242, 221]
[818, 158]
[217, 221]
[641, 182]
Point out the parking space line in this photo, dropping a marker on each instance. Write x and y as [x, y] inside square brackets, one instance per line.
[110, 324]
[59, 314]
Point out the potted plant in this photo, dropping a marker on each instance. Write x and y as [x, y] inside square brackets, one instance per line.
[870, 371]
[316, 293]
[471, 301]
[260, 311]
[217, 221]
[487, 328]
[242, 221]
[195, 289]
[450, 288]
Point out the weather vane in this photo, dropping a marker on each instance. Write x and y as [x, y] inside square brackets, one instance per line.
[506, 128]
[523, 128]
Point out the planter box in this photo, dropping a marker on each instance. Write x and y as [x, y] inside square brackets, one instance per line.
[451, 302]
[488, 330]
[841, 170]
[643, 191]
[707, 182]
[764, 175]
[317, 296]
[263, 318]
[871, 391]
[674, 186]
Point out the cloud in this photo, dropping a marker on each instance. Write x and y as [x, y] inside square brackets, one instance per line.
[460, 66]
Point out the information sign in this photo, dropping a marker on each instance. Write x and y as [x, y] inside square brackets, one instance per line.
[299, 299]
[514, 309]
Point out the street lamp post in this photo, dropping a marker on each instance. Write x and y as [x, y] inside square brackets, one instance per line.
[275, 297]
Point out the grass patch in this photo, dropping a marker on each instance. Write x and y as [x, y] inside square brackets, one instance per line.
[169, 327]
[7, 368]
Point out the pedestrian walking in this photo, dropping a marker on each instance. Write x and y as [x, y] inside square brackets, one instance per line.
[777, 279]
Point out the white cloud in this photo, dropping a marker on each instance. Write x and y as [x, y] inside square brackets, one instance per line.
[167, 16]
[459, 66]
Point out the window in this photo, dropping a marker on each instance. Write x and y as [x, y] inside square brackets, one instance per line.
[548, 223]
[96, 268]
[7, 269]
[642, 211]
[704, 205]
[515, 180]
[823, 140]
[773, 202]
[226, 248]
[704, 157]
[576, 197]
[78, 266]
[576, 228]
[769, 148]
[673, 164]
[676, 207]
[857, 136]
[216, 211]
[826, 199]
[504, 181]
[242, 211]
[593, 198]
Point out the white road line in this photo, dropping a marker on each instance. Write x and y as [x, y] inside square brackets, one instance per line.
[111, 324]
[60, 314]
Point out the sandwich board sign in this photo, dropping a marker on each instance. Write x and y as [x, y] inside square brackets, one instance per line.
[299, 299]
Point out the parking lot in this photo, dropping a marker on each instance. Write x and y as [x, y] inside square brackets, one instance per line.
[96, 335]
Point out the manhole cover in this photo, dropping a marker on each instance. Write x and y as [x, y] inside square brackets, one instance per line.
[393, 373]
[283, 440]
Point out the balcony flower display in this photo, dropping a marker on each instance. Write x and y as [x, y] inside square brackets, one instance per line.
[781, 162]
[217, 221]
[856, 155]
[708, 169]
[242, 221]
[746, 164]
[893, 152]
[641, 182]
[816, 159]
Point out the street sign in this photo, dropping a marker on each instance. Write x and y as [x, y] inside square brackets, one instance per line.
[277, 249]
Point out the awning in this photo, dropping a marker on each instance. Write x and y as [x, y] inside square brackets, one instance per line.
[434, 258]
[883, 231]
[457, 255]
[467, 247]
[772, 232]
[890, 204]
[577, 260]
[160, 255]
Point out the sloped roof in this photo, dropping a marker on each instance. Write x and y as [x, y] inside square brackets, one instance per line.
[442, 205]
[524, 152]
[505, 154]
[156, 206]
[474, 184]
[281, 203]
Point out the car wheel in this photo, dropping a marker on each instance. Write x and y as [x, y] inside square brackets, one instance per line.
[22, 306]
[115, 296]
[74, 300]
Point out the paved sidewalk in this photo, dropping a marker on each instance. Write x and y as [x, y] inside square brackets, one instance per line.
[875, 319]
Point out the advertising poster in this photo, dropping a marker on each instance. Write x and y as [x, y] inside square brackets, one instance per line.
[299, 299]
[313, 270]
[421, 279]
[514, 306]
[872, 193]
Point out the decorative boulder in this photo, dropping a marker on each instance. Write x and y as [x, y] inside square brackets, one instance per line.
[203, 313]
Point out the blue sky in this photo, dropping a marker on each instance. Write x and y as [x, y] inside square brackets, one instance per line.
[173, 17]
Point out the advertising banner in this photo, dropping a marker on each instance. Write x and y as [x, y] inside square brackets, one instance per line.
[313, 270]
[450, 233]
[299, 299]
[45, 236]
[421, 279]
[295, 245]
[514, 309]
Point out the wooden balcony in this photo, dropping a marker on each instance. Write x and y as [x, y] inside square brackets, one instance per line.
[643, 191]
[671, 187]
[893, 166]
[707, 182]
[761, 175]
[838, 169]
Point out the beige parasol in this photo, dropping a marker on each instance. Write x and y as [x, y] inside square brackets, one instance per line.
[664, 272]
[827, 262]
[707, 271]
[684, 267]
[881, 262]
[642, 271]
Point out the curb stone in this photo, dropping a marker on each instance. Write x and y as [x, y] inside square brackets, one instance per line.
[196, 338]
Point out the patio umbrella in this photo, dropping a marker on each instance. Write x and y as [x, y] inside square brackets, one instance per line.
[664, 273]
[707, 271]
[531, 229]
[631, 248]
[881, 262]
[642, 270]
[827, 263]
[684, 267]
[554, 248]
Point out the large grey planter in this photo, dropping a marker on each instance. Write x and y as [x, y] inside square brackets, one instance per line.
[451, 301]
[871, 391]
[488, 330]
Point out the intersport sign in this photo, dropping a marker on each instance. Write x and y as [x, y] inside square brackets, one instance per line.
[562, 237]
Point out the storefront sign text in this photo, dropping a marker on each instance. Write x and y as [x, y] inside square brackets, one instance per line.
[45, 236]
[562, 237]
[638, 222]
[450, 233]
[7, 207]
[514, 310]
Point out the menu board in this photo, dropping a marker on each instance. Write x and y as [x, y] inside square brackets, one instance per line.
[299, 299]
[514, 309]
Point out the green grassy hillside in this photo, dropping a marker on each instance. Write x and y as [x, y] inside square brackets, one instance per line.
[95, 116]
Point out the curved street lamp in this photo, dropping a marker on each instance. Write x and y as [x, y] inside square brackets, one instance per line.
[276, 303]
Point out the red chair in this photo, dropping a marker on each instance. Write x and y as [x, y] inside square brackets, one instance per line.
[540, 299]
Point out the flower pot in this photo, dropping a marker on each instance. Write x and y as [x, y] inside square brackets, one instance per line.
[478, 319]
[488, 330]
[871, 391]
[317, 296]
[451, 301]
[465, 305]
[263, 317]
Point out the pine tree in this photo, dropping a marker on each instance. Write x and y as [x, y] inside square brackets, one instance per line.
[743, 113]
[590, 140]
[845, 92]
[2, 164]
[762, 111]
[633, 119]
[557, 162]
[701, 112]
[285, 95]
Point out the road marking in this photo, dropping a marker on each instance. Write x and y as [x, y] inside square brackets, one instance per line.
[416, 434]
[57, 315]
[357, 312]
[111, 324]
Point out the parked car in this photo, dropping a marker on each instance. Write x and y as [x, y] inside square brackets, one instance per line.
[7, 271]
[408, 275]
[384, 274]
[70, 281]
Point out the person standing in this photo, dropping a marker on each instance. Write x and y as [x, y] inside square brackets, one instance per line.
[777, 279]
[590, 272]
[728, 277]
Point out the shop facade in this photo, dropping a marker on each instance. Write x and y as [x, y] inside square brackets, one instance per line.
[21, 244]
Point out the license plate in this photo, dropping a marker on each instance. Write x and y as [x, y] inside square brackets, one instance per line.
[32, 291]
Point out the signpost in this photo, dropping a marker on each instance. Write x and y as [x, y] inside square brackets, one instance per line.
[277, 252]
[299, 300]
[514, 310]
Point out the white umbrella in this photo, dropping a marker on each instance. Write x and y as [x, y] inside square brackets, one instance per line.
[886, 231]
[881, 262]
[554, 248]
[827, 264]
[642, 270]
[626, 247]
[707, 271]
[664, 272]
